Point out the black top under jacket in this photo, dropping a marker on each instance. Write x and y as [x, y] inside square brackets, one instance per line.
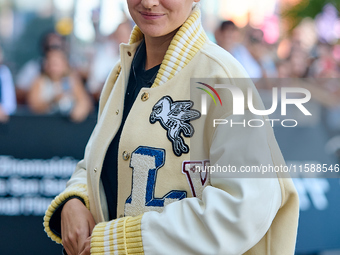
[139, 78]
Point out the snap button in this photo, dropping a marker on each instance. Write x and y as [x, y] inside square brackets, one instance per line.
[117, 112]
[145, 96]
[126, 155]
[119, 69]
[129, 53]
[95, 170]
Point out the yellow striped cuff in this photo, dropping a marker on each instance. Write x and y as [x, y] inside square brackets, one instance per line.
[78, 190]
[121, 236]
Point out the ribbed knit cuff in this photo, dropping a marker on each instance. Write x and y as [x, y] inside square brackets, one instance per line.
[78, 190]
[121, 236]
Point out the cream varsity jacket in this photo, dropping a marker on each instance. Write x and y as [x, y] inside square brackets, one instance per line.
[164, 205]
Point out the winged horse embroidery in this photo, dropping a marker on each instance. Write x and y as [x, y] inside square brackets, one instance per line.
[175, 117]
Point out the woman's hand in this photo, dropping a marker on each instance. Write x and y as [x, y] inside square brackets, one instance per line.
[87, 247]
[79, 114]
[83, 103]
[3, 116]
[77, 224]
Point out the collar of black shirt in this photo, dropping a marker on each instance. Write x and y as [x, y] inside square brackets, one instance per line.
[138, 65]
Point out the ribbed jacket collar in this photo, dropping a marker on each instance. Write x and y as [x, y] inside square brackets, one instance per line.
[188, 40]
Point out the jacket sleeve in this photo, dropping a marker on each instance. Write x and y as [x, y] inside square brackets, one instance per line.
[77, 185]
[233, 215]
[76, 188]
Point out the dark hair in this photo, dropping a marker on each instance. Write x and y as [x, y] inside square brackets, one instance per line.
[227, 24]
[44, 44]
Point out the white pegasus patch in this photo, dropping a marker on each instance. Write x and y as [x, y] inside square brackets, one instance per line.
[175, 117]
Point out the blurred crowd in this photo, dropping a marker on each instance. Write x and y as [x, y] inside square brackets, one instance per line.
[287, 60]
[54, 83]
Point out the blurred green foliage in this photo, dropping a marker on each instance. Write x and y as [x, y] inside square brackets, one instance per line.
[306, 8]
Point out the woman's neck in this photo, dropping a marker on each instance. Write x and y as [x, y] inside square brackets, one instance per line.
[156, 48]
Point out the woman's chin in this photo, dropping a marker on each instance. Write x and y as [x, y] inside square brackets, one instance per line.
[153, 31]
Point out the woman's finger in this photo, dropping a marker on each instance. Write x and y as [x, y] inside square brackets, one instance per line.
[87, 247]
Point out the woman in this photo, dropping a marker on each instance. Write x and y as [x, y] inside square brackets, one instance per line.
[136, 191]
[58, 89]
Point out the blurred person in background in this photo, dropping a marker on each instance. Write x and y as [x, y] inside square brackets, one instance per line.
[58, 89]
[32, 69]
[253, 56]
[326, 70]
[8, 101]
[227, 36]
[259, 64]
[325, 66]
[106, 56]
[299, 61]
[283, 68]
